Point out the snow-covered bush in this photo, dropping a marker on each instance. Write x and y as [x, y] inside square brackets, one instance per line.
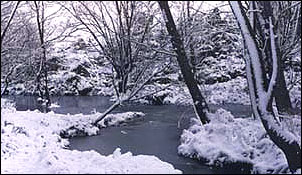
[233, 91]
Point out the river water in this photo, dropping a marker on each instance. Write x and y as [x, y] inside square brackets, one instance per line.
[157, 134]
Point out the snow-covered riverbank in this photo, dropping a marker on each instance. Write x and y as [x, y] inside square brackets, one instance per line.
[31, 143]
[227, 139]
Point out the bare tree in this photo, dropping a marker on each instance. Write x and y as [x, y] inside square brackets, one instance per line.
[42, 78]
[186, 32]
[263, 87]
[285, 17]
[3, 33]
[47, 33]
[122, 35]
[21, 48]
[199, 102]
[209, 40]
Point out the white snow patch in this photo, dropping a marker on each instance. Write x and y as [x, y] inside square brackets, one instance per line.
[54, 105]
[117, 119]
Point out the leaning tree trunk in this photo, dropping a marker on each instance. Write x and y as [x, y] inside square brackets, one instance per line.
[5, 28]
[281, 137]
[199, 103]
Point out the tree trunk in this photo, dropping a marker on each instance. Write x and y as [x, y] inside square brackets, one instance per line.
[291, 149]
[9, 21]
[200, 105]
[281, 137]
[281, 94]
[111, 108]
[42, 71]
[191, 45]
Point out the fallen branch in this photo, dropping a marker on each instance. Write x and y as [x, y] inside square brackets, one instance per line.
[123, 99]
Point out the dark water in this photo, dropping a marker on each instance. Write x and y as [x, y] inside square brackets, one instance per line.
[157, 134]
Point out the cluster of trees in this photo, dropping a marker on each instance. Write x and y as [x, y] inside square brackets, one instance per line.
[26, 36]
[271, 34]
[141, 39]
[210, 39]
[130, 35]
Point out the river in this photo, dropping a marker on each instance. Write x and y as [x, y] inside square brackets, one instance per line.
[157, 134]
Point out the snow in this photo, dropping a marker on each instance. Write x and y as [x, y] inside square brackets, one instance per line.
[31, 143]
[233, 91]
[228, 139]
[117, 119]
[78, 70]
[65, 81]
[54, 105]
[295, 95]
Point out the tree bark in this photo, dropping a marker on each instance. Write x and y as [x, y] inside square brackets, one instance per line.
[200, 105]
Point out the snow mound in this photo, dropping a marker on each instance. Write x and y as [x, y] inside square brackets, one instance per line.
[54, 105]
[31, 143]
[117, 119]
[229, 140]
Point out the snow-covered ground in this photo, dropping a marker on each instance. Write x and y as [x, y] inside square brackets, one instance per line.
[229, 139]
[31, 143]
